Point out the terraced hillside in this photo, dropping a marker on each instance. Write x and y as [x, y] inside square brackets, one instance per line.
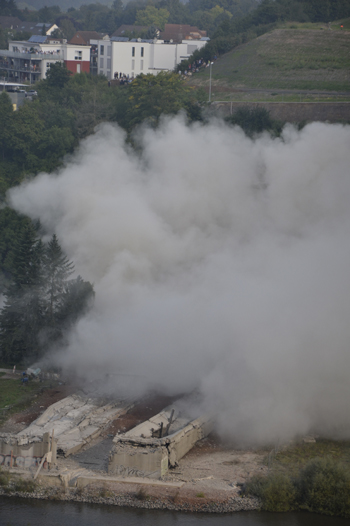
[288, 59]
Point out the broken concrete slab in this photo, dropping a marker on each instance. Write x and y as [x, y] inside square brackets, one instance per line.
[76, 420]
[145, 451]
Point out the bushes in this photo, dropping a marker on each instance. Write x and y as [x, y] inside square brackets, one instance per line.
[255, 120]
[10, 485]
[323, 486]
[24, 486]
[4, 478]
[276, 492]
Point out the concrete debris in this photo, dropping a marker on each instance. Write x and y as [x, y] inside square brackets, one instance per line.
[143, 451]
[76, 421]
[26, 451]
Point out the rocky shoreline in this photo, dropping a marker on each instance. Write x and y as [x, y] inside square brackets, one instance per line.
[141, 501]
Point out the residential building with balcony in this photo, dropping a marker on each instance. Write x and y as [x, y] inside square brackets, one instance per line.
[29, 61]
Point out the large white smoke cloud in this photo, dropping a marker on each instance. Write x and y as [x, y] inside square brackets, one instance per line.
[219, 263]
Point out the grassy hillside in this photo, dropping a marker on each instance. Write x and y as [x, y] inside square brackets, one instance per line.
[295, 57]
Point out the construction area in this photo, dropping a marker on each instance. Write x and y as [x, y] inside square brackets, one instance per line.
[82, 440]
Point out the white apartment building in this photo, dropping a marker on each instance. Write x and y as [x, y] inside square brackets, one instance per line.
[132, 57]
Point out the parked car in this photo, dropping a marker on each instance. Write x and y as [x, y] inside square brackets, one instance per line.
[31, 93]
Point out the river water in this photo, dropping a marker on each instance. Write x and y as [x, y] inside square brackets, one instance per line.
[26, 512]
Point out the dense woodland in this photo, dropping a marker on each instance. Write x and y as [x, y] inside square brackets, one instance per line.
[39, 307]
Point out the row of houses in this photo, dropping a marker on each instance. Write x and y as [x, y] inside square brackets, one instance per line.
[28, 61]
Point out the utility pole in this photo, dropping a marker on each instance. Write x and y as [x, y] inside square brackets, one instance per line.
[211, 63]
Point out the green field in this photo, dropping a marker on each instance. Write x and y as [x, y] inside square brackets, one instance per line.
[294, 57]
[15, 397]
[292, 459]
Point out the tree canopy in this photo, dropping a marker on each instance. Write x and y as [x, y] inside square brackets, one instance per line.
[41, 302]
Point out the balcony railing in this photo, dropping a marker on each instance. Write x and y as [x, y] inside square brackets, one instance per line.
[29, 69]
[31, 56]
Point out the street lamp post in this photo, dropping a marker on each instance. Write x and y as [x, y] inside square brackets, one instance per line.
[211, 63]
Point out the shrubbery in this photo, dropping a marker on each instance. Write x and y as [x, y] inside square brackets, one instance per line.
[323, 486]
[277, 492]
[255, 120]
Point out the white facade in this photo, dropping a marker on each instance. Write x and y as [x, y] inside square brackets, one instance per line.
[142, 56]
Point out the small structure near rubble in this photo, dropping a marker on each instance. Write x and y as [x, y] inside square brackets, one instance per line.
[26, 451]
[152, 447]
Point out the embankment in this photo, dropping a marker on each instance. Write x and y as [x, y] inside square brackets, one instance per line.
[293, 111]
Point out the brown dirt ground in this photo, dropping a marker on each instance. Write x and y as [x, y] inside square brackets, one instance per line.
[138, 414]
[49, 396]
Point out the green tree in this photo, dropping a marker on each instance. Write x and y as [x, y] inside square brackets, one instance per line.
[255, 120]
[41, 302]
[9, 8]
[67, 28]
[150, 96]
[152, 16]
[21, 318]
[77, 298]
[58, 75]
[6, 114]
[11, 226]
[57, 269]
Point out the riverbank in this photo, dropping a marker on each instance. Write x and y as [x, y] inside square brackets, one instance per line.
[140, 498]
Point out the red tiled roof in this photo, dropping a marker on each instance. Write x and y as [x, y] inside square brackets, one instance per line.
[179, 32]
[83, 38]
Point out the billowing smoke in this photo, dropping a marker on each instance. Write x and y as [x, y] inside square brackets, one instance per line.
[219, 263]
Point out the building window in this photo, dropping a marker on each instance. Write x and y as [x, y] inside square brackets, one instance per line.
[141, 65]
[101, 63]
[109, 63]
[142, 52]
[102, 50]
[78, 68]
[133, 52]
[78, 55]
[133, 64]
[109, 51]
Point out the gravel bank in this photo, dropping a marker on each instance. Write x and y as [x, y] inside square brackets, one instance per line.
[140, 500]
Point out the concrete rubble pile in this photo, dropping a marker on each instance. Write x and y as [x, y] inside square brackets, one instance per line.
[149, 449]
[76, 420]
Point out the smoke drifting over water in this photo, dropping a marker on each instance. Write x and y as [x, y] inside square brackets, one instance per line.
[219, 263]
